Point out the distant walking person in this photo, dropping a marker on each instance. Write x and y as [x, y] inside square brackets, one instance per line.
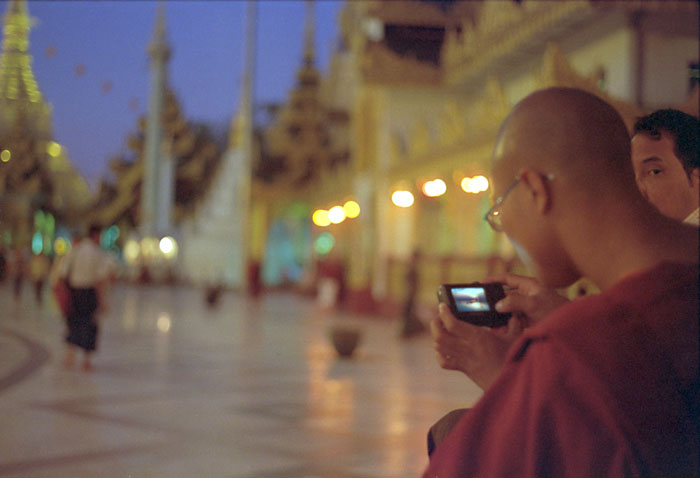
[39, 266]
[3, 265]
[88, 270]
[410, 322]
[18, 266]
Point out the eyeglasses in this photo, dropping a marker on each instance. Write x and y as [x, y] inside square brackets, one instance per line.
[493, 215]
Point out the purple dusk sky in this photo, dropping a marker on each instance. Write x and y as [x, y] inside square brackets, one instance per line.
[82, 48]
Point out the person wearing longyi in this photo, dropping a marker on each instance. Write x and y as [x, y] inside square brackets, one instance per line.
[605, 385]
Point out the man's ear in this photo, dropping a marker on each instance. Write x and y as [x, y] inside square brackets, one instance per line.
[538, 188]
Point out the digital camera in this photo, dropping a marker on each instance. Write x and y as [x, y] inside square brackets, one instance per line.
[475, 302]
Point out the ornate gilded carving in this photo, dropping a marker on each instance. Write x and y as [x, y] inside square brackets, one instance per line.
[398, 150]
[557, 71]
[498, 16]
[492, 108]
[453, 124]
[501, 28]
[420, 139]
[196, 160]
[381, 65]
[409, 12]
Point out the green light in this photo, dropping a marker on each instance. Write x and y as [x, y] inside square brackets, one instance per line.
[109, 237]
[299, 210]
[50, 224]
[5, 155]
[113, 232]
[47, 245]
[324, 243]
[104, 240]
[39, 220]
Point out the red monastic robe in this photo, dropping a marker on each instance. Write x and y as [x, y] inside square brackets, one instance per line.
[605, 386]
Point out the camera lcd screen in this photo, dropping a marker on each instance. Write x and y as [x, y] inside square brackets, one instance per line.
[470, 299]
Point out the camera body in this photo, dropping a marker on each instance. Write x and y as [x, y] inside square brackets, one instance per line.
[474, 302]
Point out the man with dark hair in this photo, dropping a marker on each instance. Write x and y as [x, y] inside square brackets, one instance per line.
[665, 159]
[606, 385]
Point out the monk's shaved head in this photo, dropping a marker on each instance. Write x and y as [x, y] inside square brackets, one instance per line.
[567, 197]
[567, 132]
[571, 153]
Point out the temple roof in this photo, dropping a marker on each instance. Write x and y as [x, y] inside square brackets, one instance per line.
[409, 12]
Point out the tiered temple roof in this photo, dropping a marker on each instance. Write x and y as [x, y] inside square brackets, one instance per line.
[299, 147]
[196, 154]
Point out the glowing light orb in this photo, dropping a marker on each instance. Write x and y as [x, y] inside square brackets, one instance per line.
[434, 188]
[402, 198]
[149, 246]
[163, 323]
[168, 247]
[5, 155]
[324, 243]
[336, 215]
[131, 251]
[352, 209]
[60, 246]
[54, 149]
[37, 243]
[475, 185]
[320, 218]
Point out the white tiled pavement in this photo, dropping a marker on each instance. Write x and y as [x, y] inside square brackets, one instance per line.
[245, 389]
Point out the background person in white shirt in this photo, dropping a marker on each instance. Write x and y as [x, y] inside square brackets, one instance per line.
[88, 270]
[665, 160]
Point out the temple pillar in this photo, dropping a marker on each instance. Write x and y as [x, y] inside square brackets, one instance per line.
[159, 52]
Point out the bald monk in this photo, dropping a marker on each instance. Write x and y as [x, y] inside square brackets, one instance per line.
[606, 385]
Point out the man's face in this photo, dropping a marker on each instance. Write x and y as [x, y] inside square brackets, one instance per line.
[661, 178]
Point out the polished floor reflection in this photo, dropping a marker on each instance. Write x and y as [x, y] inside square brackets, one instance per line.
[243, 389]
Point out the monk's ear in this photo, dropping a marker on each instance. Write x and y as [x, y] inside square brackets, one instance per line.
[538, 187]
[695, 177]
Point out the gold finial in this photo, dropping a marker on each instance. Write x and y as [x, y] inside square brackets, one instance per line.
[240, 133]
[159, 44]
[309, 34]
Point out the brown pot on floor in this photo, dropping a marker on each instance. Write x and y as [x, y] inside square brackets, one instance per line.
[345, 340]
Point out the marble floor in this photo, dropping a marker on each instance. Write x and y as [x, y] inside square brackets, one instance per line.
[244, 389]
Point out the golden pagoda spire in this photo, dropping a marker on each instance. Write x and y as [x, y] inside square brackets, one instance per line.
[159, 48]
[16, 75]
[19, 91]
[307, 74]
[309, 29]
[241, 127]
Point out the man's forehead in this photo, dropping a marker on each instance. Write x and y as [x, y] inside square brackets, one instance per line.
[645, 146]
[646, 137]
[652, 160]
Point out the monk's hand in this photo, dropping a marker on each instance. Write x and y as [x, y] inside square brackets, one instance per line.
[527, 299]
[478, 352]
